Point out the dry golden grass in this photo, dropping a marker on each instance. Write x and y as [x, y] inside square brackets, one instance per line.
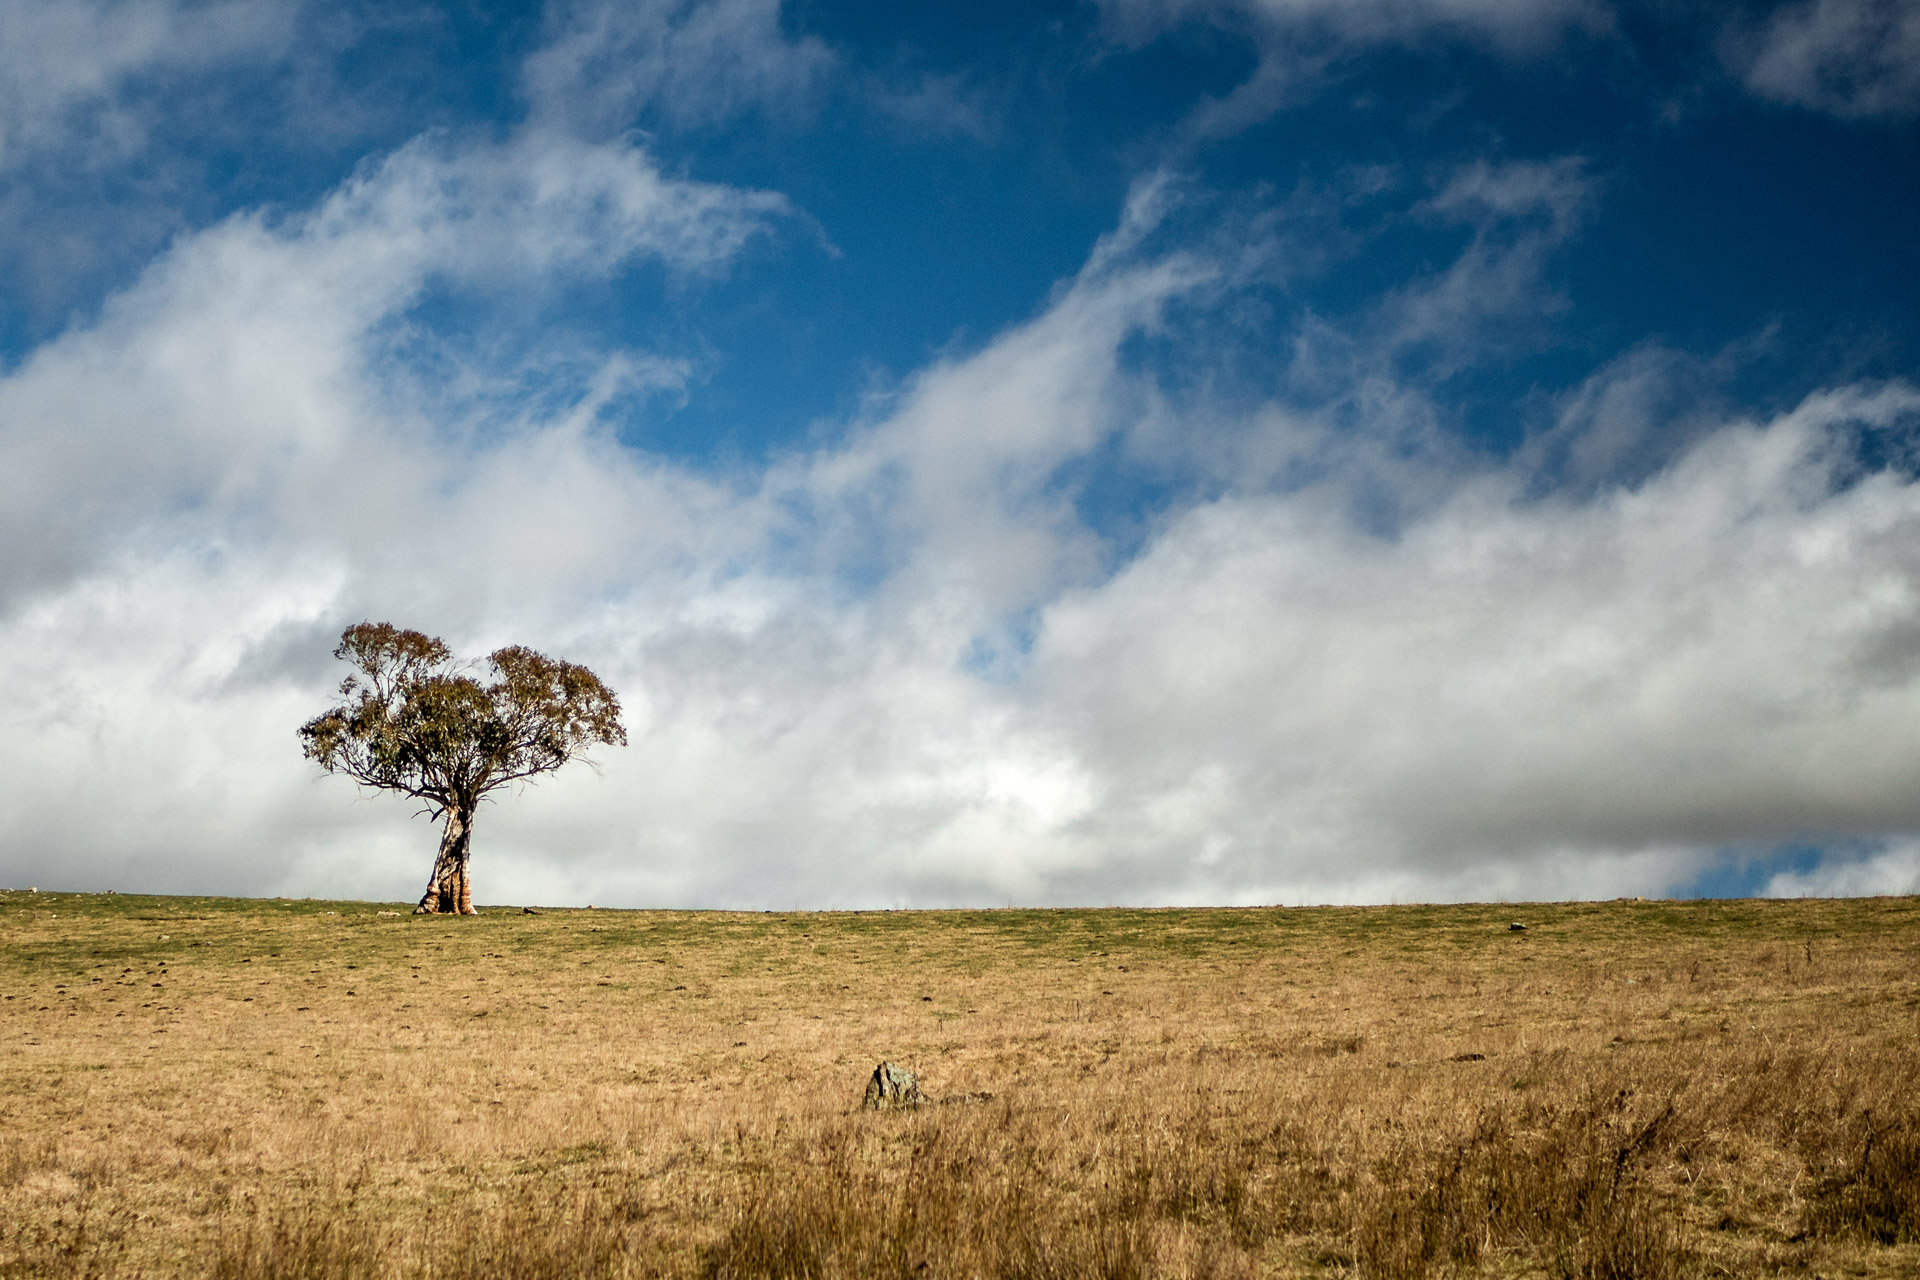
[255, 1089]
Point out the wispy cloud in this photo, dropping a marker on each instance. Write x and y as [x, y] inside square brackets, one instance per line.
[1515, 23]
[1300, 43]
[1853, 58]
[1519, 213]
[608, 64]
[67, 69]
[1856, 59]
[936, 105]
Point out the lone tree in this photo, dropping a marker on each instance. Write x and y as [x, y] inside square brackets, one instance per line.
[413, 720]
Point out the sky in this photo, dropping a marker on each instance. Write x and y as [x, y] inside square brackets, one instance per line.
[1129, 452]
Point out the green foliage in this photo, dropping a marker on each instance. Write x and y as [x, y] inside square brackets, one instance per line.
[414, 720]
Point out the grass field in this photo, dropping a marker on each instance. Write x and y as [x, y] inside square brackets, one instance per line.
[229, 1088]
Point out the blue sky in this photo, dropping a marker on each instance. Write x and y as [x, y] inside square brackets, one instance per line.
[1140, 451]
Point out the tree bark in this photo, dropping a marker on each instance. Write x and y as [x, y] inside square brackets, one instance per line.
[450, 888]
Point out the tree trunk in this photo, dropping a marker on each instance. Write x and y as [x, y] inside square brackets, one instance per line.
[450, 888]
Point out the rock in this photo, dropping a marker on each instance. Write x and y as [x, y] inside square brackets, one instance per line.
[891, 1087]
[1516, 927]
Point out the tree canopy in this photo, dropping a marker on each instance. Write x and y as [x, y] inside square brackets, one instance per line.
[416, 721]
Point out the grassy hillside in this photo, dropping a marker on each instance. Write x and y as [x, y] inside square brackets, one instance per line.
[200, 1086]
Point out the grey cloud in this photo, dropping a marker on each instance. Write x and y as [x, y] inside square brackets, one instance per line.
[1627, 420]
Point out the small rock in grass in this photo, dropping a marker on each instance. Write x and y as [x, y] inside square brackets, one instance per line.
[1516, 927]
[891, 1087]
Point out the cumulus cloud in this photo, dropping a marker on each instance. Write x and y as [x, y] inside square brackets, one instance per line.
[607, 62]
[1852, 58]
[1682, 663]
[901, 666]
[243, 378]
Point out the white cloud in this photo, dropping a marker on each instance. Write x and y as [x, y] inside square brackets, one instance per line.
[64, 66]
[1892, 870]
[241, 378]
[898, 668]
[1681, 663]
[607, 62]
[1852, 58]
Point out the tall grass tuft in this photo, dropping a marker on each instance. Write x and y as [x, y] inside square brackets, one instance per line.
[529, 1233]
[80, 1245]
[953, 1206]
[1564, 1186]
[1875, 1196]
